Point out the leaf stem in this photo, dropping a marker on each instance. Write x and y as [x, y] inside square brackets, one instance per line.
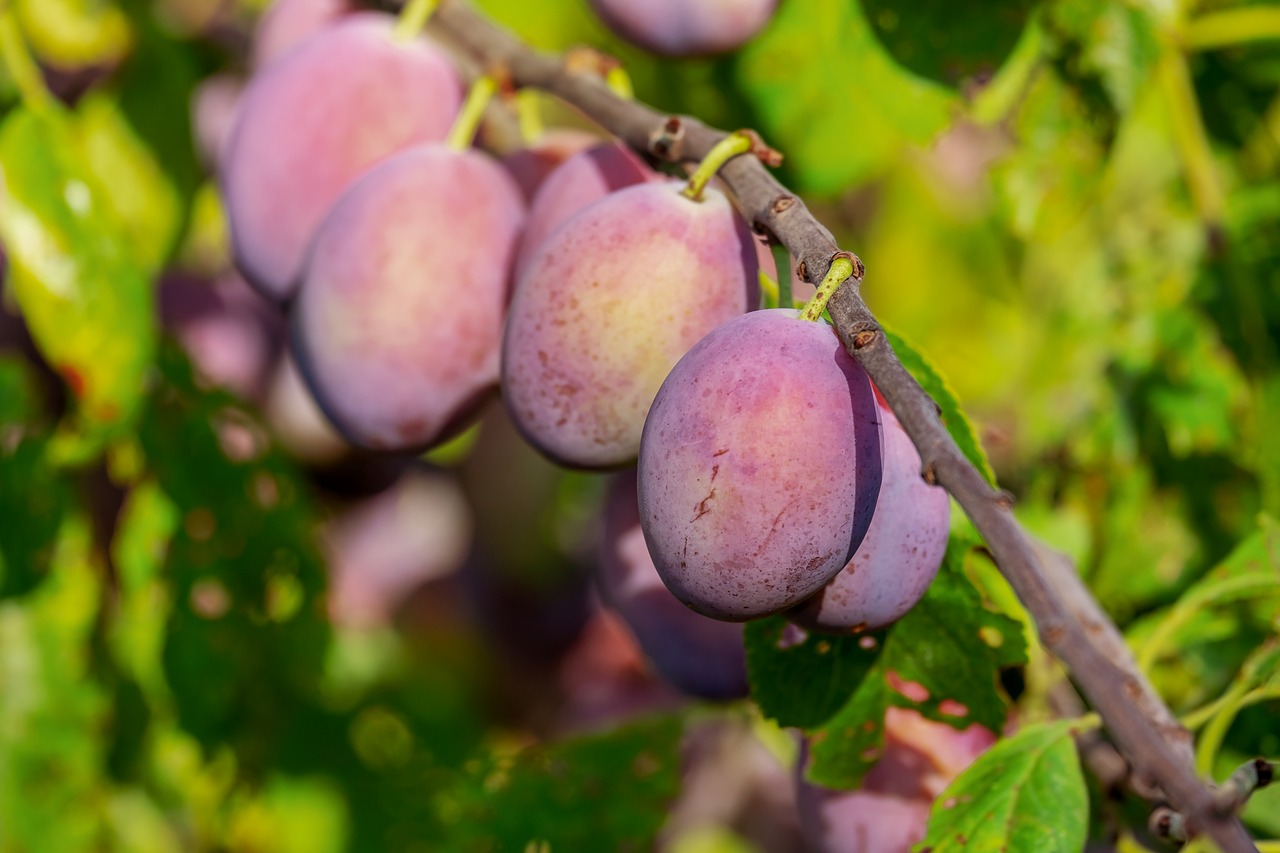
[734, 144]
[413, 17]
[840, 270]
[529, 115]
[1192, 603]
[1232, 27]
[468, 120]
[22, 67]
[1190, 137]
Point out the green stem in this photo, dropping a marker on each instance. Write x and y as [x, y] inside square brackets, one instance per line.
[1193, 603]
[22, 67]
[769, 290]
[529, 115]
[413, 17]
[841, 269]
[619, 82]
[1189, 135]
[725, 150]
[1232, 27]
[468, 120]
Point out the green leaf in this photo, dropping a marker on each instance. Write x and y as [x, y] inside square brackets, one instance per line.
[1025, 793]
[1115, 43]
[945, 41]
[140, 194]
[606, 791]
[949, 648]
[831, 99]
[75, 33]
[85, 300]
[33, 496]
[953, 417]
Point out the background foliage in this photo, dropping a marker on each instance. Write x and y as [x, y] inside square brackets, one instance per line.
[1069, 207]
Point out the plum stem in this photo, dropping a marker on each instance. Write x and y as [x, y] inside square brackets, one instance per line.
[22, 67]
[468, 120]
[529, 115]
[770, 297]
[840, 270]
[413, 17]
[738, 142]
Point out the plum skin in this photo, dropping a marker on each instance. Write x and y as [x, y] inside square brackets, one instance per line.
[399, 320]
[901, 553]
[741, 521]
[310, 123]
[605, 308]
[699, 656]
[686, 27]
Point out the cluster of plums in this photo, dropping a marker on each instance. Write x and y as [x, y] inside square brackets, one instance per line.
[617, 316]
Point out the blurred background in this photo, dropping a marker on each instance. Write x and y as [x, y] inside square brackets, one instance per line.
[223, 628]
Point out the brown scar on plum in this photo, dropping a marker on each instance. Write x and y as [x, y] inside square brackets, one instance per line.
[703, 509]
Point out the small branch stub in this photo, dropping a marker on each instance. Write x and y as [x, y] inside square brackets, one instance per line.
[666, 142]
[838, 273]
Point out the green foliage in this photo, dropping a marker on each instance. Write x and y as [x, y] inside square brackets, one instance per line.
[941, 659]
[82, 292]
[1025, 793]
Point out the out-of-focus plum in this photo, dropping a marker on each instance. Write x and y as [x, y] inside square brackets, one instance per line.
[286, 23]
[686, 27]
[702, 657]
[531, 165]
[398, 323]
[312, 123]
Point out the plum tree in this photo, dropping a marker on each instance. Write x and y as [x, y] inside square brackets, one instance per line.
[578, 182]
[700, 656]
[741, 521]
[901, 552]
[398, 323]
[686, 27]
[604, 310]
[311, 123]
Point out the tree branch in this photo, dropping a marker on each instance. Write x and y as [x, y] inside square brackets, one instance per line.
[1069, 620]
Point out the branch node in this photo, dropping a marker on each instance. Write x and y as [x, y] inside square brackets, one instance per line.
[782, 204]
[760, 149]
[1005, 499]
[588, 60]
[802, 271]
[929, 474]
[666, 142]
[865, 338]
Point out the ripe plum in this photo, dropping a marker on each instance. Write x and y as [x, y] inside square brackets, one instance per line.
[311, 123]
[700, 656]
[741, 520]
[901, 553]
[578, 182]
[605, 308]
[398, 322]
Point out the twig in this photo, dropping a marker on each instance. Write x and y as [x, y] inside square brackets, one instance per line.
[1141, 726]
[1228, 799]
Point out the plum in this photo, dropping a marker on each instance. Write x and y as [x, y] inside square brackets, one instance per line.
[901, 553]
[311, 123]
[743, 521]
[700, 656]
[531, 165]
[686, 27]
[398, 322]
[578, 182]
[889, 812]
[605, 308]
[289, 22]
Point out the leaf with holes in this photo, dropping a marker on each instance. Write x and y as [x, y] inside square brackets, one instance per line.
[1025, 793]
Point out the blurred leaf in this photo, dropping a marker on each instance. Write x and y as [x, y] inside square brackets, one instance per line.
[946, 41]
[33, 496]
[607, 791]
[948, 648]
[952, 415]
[73, 34]
[85, 300]
[1025, 793]
[240, 669]
[1115, 43]
[137, 189]
[52, 714]
[830, 98]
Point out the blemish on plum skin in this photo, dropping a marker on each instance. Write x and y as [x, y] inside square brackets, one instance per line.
[703, 509]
